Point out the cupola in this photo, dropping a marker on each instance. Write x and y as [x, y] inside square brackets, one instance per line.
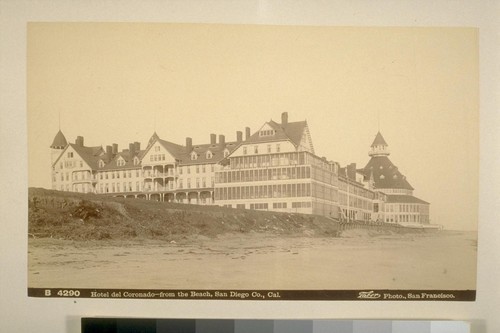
[379, 147]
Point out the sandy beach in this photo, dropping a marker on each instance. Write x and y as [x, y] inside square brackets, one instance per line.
[444, 260]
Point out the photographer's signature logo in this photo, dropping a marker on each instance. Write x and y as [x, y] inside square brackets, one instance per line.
[368, 295]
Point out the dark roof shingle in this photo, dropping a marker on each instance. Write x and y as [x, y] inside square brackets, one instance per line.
[385, 174]
[59, 141]
[399, 198]
[292, 131]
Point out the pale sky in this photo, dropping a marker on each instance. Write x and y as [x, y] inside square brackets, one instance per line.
[109, 82]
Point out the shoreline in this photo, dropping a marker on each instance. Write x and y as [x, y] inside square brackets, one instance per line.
[440, 261]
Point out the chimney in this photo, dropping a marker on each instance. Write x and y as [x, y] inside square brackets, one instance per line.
[189, 144]
[137, 146]
[247, 133]
[79, 141]
[115, 149]
[131, 149]
[109, 151]
[213, 139]
[351, 171]
[239, 136]
[222, 140]
[284, 118]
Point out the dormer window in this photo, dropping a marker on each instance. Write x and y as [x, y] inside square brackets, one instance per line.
[194, 156]
[267, 132]
[209, 155]
[120, 162]
[101, 164]
[136, 160]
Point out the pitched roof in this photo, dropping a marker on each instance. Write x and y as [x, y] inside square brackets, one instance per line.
[183, 155]
[385, 174]
[397, 198]
[126, 156]
[379, 140]
[89, 154]
[292, 131]
[59, 141]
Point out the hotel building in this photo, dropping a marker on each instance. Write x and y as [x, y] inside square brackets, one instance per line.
[273, 169]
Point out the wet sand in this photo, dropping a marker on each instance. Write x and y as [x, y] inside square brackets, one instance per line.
[444, 260]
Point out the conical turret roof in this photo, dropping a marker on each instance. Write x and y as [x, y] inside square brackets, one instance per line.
[59, 141]
[379, 140]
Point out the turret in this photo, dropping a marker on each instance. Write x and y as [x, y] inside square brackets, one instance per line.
[379, 147]
[57, 146]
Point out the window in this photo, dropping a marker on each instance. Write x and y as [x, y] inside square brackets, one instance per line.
[244, 150]
[209, 155]
[136, 160]
[269, 148]
[266, 132]
[101, 164]
[157, 148]
[277, 147]
[70, 154]
[194, 156]
[256, 149]
[226, 153]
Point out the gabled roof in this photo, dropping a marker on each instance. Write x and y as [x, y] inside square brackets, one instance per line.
[125, 155]
[89, 154]
[379, 140]
[59, 141]
[385, 174]
[217, 151]
[404, 199]
[181, 153]
[177, 151]
[292, 131]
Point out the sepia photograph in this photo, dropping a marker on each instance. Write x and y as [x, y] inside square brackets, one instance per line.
[258, 162]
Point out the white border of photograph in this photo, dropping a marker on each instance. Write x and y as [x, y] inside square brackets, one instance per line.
[19, 313]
